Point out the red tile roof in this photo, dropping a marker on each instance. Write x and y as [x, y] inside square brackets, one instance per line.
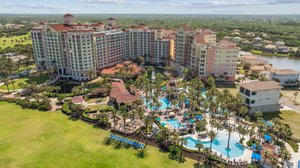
[261, 85]
[199, 39]
[59, 27]
[111, 18]
[80, 31]
[113, 70]
[68, 15]
[77, 99]
[121, 94]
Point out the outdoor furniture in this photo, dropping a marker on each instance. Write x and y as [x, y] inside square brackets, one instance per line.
[128, 141]
[268, 138]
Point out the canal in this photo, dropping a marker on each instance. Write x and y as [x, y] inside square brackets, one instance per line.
[283, 62]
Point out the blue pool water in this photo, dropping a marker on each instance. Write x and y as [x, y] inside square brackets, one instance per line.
[175, 123]
[220, 143]
[164, 104]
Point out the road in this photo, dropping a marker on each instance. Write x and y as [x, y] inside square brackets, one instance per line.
[289, 104]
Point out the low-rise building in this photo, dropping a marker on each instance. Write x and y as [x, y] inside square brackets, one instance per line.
[253, 60]
[286, 77]
[261, 95]
[270, 48]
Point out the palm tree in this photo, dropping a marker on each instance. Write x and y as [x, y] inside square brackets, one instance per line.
[285, 155]
[142, 153]
[163, 137]
[295, 94]
[212, 135]
[6, 83]
[199, 147]
[266, 156]
[183, 141]
[114, 117]
[274, 161]
[13, 84]
[124, 113]
[229, 133]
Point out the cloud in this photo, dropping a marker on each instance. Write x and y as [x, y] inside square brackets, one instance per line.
[229, 3]
[32, 6]
[103, 1]
[118, 2]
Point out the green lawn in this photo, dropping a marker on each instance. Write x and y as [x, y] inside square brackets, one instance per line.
[232, 88]
[290, 117]
[28, 80]
[13, 40]
[97, 107]
[30, 138]
[258, 52]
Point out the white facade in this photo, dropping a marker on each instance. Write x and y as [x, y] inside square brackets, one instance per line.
[77, 51]
[261, 96]
[285, 76]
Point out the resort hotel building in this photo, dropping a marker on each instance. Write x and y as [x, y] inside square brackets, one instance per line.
[261, 96]
[78, 51]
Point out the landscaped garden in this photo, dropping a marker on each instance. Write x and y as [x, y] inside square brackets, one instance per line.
[15, 84]
[184, 117]
[14, 40]
[29, 138]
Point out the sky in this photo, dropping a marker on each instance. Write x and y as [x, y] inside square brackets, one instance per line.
[269, 7]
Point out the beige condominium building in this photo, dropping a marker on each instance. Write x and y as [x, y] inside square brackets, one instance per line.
[77, 51]
[261, 96]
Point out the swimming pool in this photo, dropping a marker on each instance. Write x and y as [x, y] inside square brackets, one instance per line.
[174, 123]
[219, 144]
[164, 104]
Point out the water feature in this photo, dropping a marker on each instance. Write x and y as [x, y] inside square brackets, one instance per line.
[219, 144]
[283, 62]
[164, 104]
[66, 87]
[174, 123]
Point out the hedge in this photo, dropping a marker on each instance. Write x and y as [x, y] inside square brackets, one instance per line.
[293, 144]
[66, 108]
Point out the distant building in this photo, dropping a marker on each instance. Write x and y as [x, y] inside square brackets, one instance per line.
[270, 48]
[79, 51]
[261, 96]
[257, 40]
[12, 26]
[198, 51]
[286, 77]
[253, 60]
[282, 50]
[236, 39]
[280, 43]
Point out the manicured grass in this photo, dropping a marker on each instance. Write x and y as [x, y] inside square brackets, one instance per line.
[288, 93]
[97, 107]
[96, 100]
[30, 138]
[26, 80]
[258, 52]
[290, 117]
[14, 40]
[231, 87]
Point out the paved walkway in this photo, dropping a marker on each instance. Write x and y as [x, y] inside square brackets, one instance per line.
[289, 104]
[293, 163]
[53, 104]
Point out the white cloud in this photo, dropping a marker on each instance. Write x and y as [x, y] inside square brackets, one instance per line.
[104, 1]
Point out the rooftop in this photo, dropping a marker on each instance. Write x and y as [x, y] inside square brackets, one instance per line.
[121, 94]
[260, 85]
[286, 71]
[130, 66]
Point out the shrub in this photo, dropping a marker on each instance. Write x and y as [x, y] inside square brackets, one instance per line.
[293, 144]
[66, 108]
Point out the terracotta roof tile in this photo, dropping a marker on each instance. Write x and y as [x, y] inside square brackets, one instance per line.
[260, 85]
